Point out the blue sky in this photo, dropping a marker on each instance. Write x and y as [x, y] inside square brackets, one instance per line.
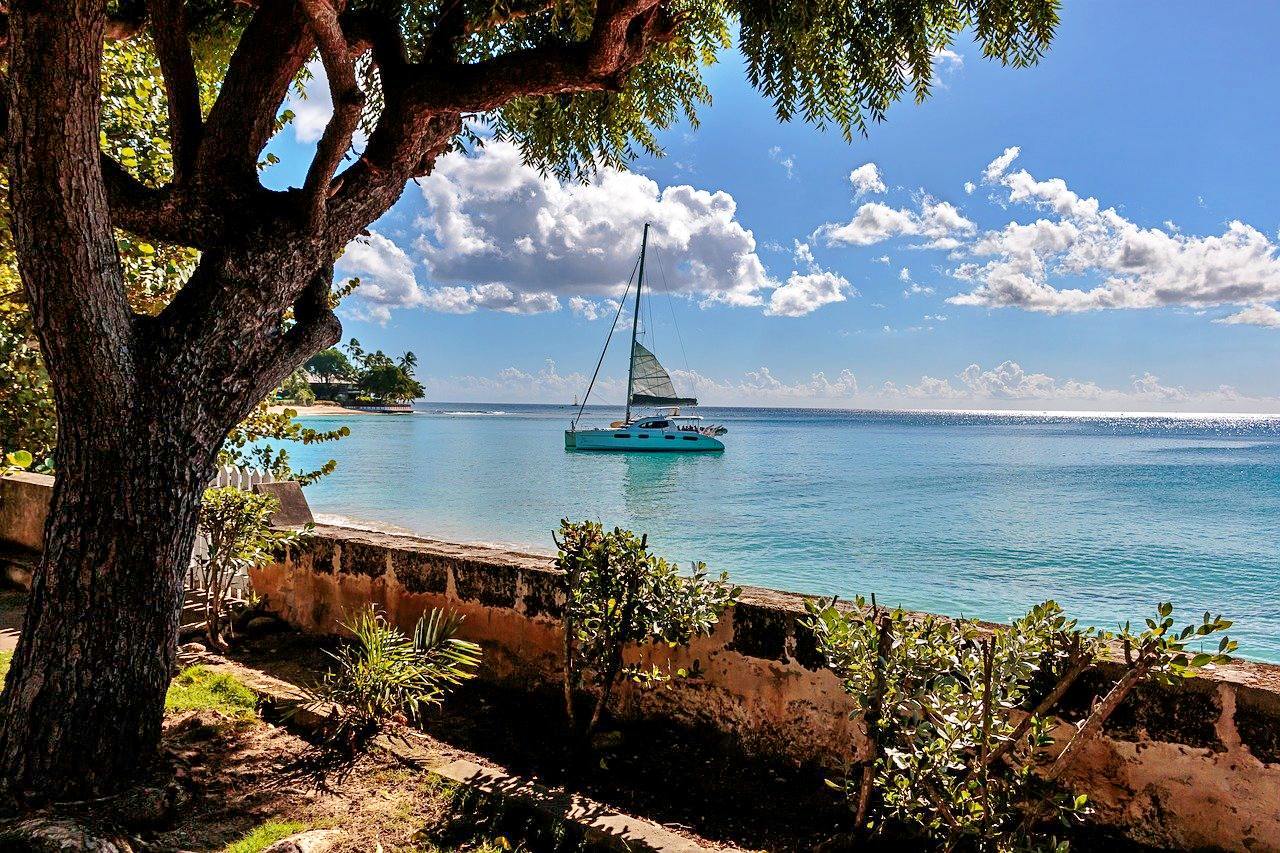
[789, 272]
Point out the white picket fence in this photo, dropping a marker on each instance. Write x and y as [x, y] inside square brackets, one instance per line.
[240, 478]
[243, 479]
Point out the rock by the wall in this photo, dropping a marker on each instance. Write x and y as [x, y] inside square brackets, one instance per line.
[24, 506]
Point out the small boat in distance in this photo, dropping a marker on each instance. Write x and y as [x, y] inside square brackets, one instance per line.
[648, 384]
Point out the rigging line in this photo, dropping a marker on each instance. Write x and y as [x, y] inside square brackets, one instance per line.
[662, 270]
[622, 301]
[653, 339]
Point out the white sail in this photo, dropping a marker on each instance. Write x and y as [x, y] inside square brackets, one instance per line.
[650, 382]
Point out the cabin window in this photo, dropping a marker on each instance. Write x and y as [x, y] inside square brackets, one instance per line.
[622, 435]
[689, 437]
[669, 437]
[644, 435]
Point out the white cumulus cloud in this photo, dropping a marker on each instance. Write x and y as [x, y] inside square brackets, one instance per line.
[500, 236]
[495, 220]
[593, 309]
[866, 179]
[386, 276]
[454, 299]
[1079, 256]
[874, 222]
[804, 293]
[1254, 315]
[997, 167]
[313, 108]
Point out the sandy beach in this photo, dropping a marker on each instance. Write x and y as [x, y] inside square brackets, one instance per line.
[319, 409]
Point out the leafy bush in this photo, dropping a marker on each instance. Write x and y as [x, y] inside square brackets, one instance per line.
[959, 744]
[617, 593]
[384, 678]
[236, 524]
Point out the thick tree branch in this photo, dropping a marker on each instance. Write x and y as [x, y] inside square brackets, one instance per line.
[450, 27]
[348, 102]
[424, 103]
[609, 35]
[620, 40]
[169, 31]
[315, 327]
[159, 213]
[62, 224]
[272, 50]
[403, 145]
[126, 23]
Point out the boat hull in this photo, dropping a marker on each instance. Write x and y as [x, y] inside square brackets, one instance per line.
[642, 441]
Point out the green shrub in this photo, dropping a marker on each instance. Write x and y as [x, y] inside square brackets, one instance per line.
[384, 678]
[240, 538]
[199, 688]
[261, 837]
[617, 593]
[960, 745]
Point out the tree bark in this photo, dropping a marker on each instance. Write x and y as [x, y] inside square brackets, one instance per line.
[85, 693]
[139, 423]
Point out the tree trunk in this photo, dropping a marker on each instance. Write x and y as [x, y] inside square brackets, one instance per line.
[143, 404]
[84, 697]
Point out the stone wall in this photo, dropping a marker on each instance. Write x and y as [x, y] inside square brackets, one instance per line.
[24, 505]
[1193, 767]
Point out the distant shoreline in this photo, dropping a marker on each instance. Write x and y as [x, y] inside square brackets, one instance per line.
[320, 408]
[323, 408]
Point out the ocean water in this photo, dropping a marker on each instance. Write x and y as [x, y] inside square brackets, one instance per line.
[975, 514]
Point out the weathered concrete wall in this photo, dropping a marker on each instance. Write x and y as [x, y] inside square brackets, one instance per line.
[1193, 767]
[24, 505]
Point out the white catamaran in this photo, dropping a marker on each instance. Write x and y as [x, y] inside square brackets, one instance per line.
[648, 385]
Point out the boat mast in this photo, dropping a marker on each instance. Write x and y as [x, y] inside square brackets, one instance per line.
[635, 319]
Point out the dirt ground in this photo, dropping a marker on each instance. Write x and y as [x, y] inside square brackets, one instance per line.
[692, 782]
[227, 779]
[241, 774]
[235, 783]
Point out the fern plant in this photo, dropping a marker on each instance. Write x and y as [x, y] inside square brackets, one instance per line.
[384, 679]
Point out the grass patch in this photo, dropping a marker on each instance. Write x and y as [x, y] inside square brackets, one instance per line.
[262, 837]
[6, 658]
[198, 688]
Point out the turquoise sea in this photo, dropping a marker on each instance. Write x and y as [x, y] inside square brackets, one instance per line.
[976, 514]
